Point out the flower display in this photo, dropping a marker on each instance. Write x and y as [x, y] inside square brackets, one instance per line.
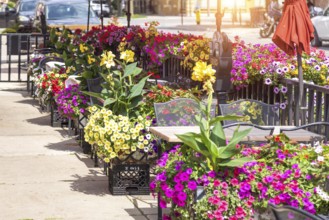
[162, 93]
[179, 175]
[204, 73]
[256, 62]
[71, 102]
[49, 84]
[196, 50]
[117, 135]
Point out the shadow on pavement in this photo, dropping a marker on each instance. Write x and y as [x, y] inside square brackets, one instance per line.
[96, 183]
[43, 120]
[68, 145]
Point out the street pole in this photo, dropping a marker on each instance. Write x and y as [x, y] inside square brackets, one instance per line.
[181, 12]
[102, 14]
[88, 15]
[128, 14]
[219, 15]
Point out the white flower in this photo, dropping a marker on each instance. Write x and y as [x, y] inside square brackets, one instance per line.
[322, 194]
[146, 149]
[318, 149]
[148, 136]
[320, 158]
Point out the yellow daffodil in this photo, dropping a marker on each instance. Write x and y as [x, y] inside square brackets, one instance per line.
[107, 59]
[127, 56]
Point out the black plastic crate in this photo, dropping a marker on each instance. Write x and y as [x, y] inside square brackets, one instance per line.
[56, 120]
[86, 147]
[129, 179]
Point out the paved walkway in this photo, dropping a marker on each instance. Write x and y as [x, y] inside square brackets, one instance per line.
[44, 174]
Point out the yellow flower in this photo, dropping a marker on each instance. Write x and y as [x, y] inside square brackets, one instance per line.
[127, 56]
[207, 86]
[133, 148]
[113, 155]
[203, 72]
[106, 160]
[91, 59]
[107, 59]
[83, 48]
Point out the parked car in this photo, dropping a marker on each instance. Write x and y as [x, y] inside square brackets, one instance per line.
[72, 14]
[321, 28]
[96, 6]
[24, 15]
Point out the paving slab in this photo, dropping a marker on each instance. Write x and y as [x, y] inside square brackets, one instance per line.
[43, 173]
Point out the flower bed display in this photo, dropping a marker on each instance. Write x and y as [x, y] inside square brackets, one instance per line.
[282, 173]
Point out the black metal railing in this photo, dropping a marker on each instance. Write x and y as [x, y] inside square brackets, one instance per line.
[15, 51]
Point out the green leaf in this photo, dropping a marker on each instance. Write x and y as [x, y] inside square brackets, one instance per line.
[137, 89]
[211, 146]
[236, 162]
[109, 101]
[230, 150]
[87, 74]
[132, 70]
[217, 134]
[191, 139]
[94, 94]
[136, 101]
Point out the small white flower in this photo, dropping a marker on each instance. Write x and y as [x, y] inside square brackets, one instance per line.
[148, 136]
[318, 149]
[146, 149]
[320, 158]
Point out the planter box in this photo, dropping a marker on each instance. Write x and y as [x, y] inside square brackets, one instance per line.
[129, 179]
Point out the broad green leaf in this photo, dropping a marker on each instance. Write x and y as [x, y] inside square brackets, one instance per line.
[136, 101]
[132, 70]
[109, 101]
[211, 146]
[191, 139]
[137, 89]
[230, 150]
[217, 134]
[94, 94]
[235, 162]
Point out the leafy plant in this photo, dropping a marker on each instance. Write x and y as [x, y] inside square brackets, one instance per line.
[123, 88]
[211, 141]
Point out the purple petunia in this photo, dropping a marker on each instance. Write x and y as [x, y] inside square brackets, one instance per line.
[268, 81]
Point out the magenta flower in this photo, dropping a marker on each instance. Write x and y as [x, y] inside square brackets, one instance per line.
[192, 185]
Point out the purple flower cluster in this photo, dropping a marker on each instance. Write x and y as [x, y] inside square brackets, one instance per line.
[71, 102]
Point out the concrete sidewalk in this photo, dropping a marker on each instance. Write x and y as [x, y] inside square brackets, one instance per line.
[44, 175]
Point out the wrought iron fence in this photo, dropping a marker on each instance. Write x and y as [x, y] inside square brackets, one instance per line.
[15, 51]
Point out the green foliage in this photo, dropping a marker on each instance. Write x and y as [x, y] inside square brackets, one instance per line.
[212, 142]
[123, 90]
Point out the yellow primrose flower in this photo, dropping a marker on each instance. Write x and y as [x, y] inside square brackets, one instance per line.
[133, 148]
[91, 59]
[107, 59]
[83, 48]
[141, 138]
[127, 56]
[106, 160]
[203, 72]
